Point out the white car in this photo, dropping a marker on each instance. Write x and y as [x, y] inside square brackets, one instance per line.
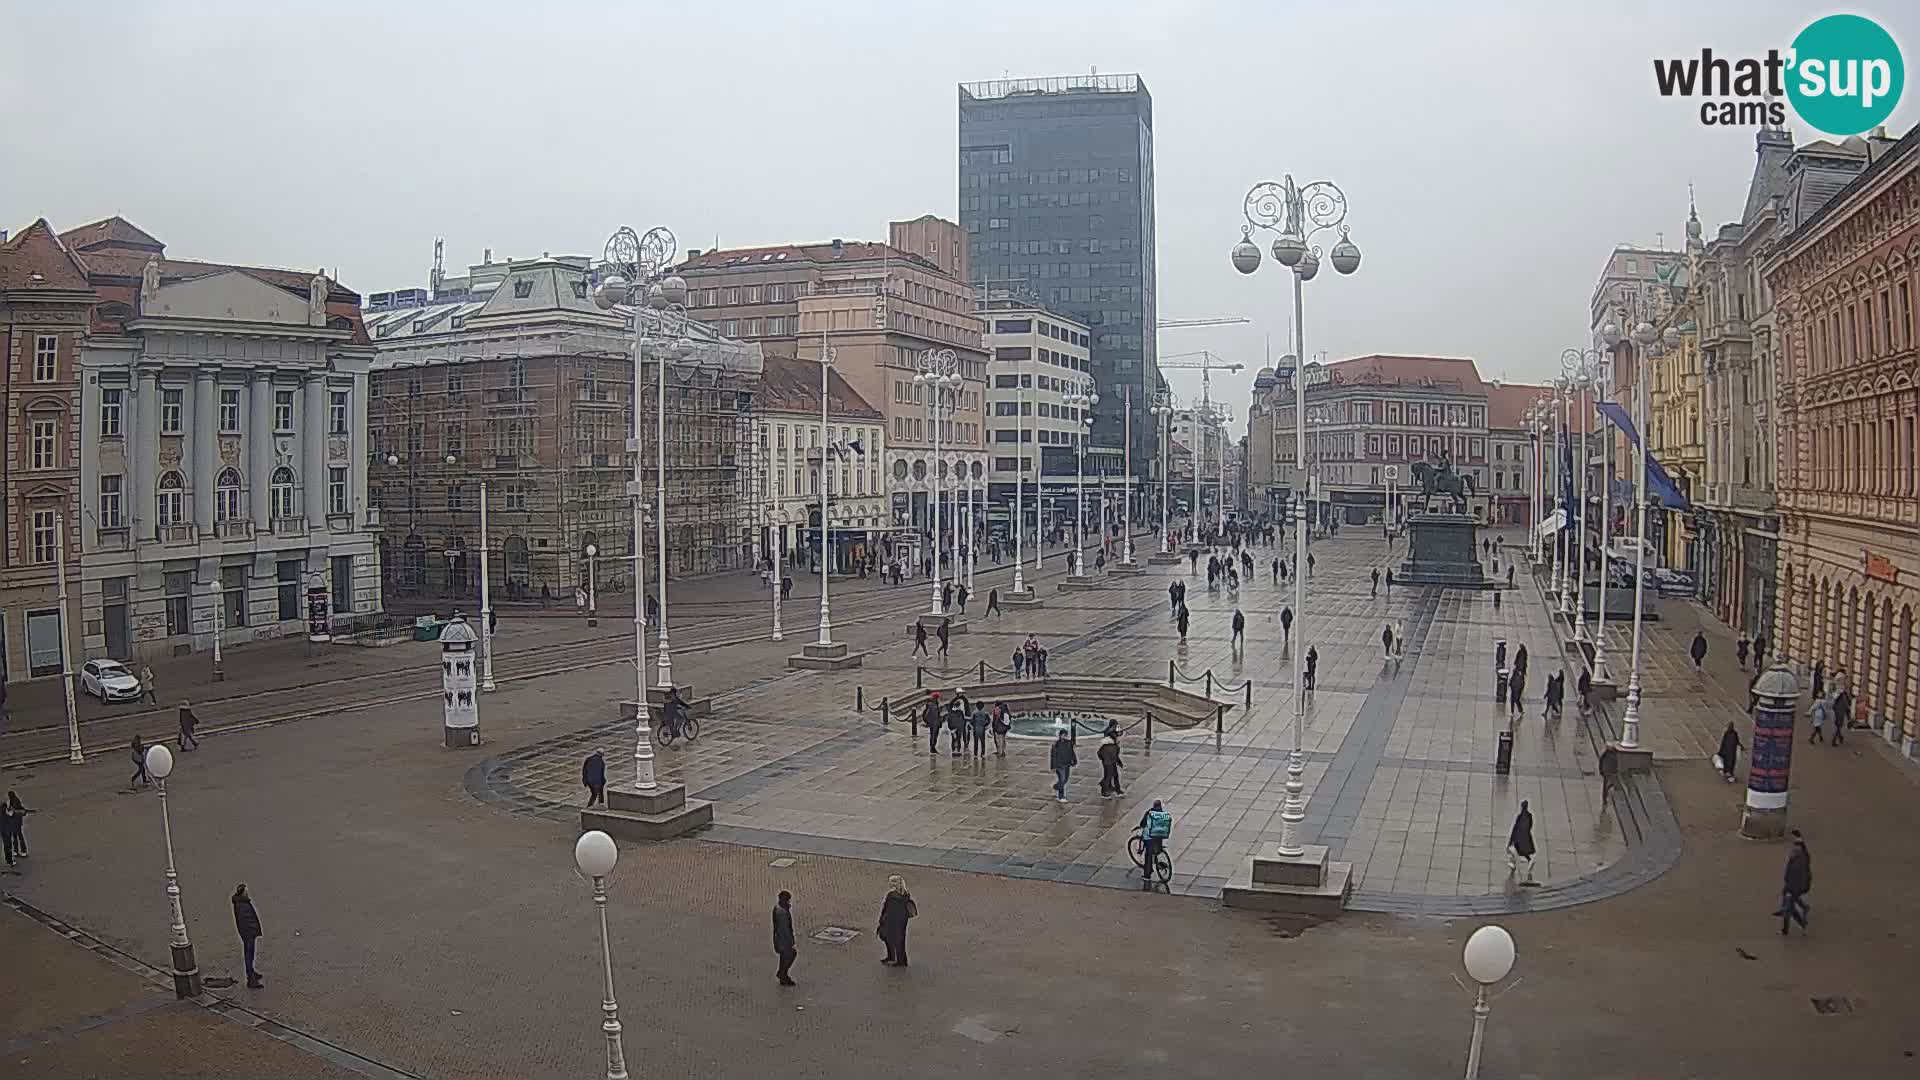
[109, 680]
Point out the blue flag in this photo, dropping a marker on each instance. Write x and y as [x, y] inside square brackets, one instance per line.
[1567, 502]
[1658, 482]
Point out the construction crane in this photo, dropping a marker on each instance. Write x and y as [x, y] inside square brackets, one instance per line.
[1207, 363]
[1225, 320]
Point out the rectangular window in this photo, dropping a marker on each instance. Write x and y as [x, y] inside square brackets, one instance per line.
[753, 327]
[516, 497]
[337, 489]
[170, 412]
[342, 597]
[229, 411]
[46, 358]
[110, 507]
[45, 444]
[733, 296]
[233, 594]
[111, 402]
[283, 410]
[337, 411]
[179, 586]
[287, 574]
[456, 496]
[43, 537]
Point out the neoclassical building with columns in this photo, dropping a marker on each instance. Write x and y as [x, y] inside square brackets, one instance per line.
[224, 476]
[1845, 281]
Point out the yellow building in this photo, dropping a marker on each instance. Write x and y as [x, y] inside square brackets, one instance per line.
[1676, 399]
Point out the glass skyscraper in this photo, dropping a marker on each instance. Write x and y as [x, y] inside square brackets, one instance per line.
[1056, 196]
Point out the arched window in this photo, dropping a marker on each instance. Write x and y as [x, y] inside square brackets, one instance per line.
[172, 508]
[280, 492]
[228, 502]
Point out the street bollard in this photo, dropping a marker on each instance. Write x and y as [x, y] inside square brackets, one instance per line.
[1169, 674]
[1209, 682]
[886, 715]
[1249, 693]
[859, 698]
[983, 673]
[919, 674]
[913, 722]
[1149, 728]
[1219, 719]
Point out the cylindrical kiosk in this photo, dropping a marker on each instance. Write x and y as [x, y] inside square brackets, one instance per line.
[458, 682]
[1765, 816]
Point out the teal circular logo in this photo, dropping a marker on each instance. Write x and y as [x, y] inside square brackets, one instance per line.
[1846, 74]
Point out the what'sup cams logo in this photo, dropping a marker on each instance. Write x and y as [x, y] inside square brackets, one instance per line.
[1843, 75]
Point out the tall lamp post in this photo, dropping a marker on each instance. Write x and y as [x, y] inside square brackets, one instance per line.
[593, 611]
[975, 511]
[1082, 401]
[775, 527]
[1297, 214]
[595, 854]
[1489, 957]
[1602, 373]
[186, 974]
[826, 486]
[940, 374]
[1565, 494]
[1648, 344]
[1019, 494]
[1581, 368]
[633, 261]
[1163, 419]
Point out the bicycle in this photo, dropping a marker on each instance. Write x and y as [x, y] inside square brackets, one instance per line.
[669, 732]
[1162, 862]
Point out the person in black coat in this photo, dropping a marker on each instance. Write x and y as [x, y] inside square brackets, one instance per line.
[593, 775]
[1842, 714]
[920, 640]
[1386, 641]
[1181, 618]
[946, 632]
[930, 718]
[1819, 679]
[16, 817]
[1239, 628]
[993, 602]
[1520, 661]
[895, 910]
[1109, 755]
[783, 946]
[1520, 840]
[247, 922]
[1313, 665]
[1585, 686]
[1698, 650]
[1797, 882]
[1286, 624]
[1062, 760]
[1376, 582]
[1729, 751]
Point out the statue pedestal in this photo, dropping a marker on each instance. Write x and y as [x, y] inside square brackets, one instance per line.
[1443, 549]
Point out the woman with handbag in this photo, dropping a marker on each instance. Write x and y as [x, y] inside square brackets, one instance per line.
[895, 910]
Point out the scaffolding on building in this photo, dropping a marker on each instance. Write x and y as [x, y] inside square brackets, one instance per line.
[542, 418]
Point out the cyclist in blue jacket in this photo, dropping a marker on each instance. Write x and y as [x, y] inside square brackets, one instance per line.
[1155, 826]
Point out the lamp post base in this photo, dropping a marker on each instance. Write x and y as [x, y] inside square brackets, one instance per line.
[817, 657]
[186, 973]
[1026, 598]
[460, 738]
[657, 815]
[956, 624]
[1636, 759]
[1305, 884]
[1079, 583]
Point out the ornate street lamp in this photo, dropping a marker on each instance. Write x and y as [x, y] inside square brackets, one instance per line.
[940, 374]
[1297, 214]
[186, 973]
[1163, 418]
[595, 854]
[1082, 400]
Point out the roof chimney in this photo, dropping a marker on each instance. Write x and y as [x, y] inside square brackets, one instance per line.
[486, 255]
[839, 247]
[693, 253]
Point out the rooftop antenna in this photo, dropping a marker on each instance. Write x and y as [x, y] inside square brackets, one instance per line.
[439, 268]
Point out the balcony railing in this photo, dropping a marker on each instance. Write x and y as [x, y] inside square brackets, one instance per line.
[112, 538]
[236, 530]
[290, 526]
[187, 533]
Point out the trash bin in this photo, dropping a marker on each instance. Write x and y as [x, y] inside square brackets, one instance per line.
[1503, 763]
[1500, 686]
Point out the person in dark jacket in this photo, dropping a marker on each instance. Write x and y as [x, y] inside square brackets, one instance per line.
[1819, 679]
[1517, 689]
[1556, 693]
[1109, 755]
[139, 779]
[1313, 664]
[946, 595]
[1760, 652]
[895, 910]
[783, 946]
[1181, 619]
[1520, 840]
[1520, 661]
[1062, 759]
[963, 599]
[189, 723]
[1842, 712]
[9, 827]
[1386, 641]
[1729, 751]
[1585, 686]
[1173, 599]
[1376, 582]
[17, 822]
[1698, 650]
[1002, 723]
[957, 722]
[931, 719]
[1286, 624]
[1797, 882]
[1239, 628]
[980, 722]
[993, 602]
[1740, 648]
[946, 633]
[247, 921]
[920, 640]
[593, 775]
[1019, 663]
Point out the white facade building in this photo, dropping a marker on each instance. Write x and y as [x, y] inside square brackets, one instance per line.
[225, 471]
[787, 427]
[1036, 359]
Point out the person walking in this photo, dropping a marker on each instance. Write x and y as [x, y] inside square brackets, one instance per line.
[1284, 570]
[981, 721]
[247, 922]
[1740, 648]
[1389, 582]
[1698, 650]
[1520, 841]
[9, 829]
[1313, 663]
[1585, 687]
[1286, 625]
[1239, 629]
[18, 812]
[189, 723]
[1842, 708]
[1609, 772]
[1181, 618]
[920, 641]
[147, 691]
[139, 779]
[1062, 759]
[593, 777]
[1173, 599]
[946, 595]
[1759, 652]
[1817, 720]
[1517, 690]
[931, 719]
[1819, 679]
[895, 911]
[1729, 755]
[1556, 694]
[1276, 571]
[1520, 661]
[993, 602]
[963, 599]
[1309, 564]
[946, 634]
[783, 946]
[1002, 723]
[1376, 583]
[1795, 884]
[1110, 767]
[958, 720]
[1386, 641]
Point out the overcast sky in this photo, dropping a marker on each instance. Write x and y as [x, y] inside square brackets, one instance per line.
[1491, 154]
